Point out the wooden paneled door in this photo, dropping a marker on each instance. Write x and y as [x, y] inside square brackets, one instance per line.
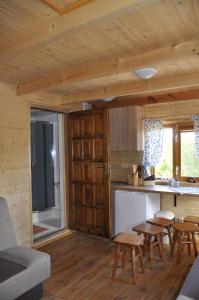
[89, 176]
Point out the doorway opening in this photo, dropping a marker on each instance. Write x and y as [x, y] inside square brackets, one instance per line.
[48, 209]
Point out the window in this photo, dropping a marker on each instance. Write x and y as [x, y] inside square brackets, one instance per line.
[165, 168]
[188, 162]
[179, 158]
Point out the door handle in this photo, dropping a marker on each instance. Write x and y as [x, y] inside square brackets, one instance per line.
[106, 168]
[57, 184]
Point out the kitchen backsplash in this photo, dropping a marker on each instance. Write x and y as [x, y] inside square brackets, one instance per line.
[120, 163]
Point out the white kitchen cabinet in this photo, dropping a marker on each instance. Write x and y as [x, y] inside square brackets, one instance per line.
[133, 208]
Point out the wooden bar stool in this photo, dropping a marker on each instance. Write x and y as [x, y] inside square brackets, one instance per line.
[124, 243]
[192, 219]
[152, 237]
[184, 234]
[165, 224]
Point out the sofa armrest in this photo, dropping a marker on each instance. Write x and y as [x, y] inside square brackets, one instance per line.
[190, 287]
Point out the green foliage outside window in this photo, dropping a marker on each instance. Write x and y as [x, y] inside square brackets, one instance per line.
[189, 160]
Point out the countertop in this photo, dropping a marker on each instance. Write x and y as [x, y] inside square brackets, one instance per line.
[160, 189]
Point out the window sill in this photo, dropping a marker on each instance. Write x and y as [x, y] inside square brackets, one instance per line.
[182, 183]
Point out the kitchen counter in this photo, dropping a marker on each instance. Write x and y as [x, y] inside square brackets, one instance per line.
[161, 189]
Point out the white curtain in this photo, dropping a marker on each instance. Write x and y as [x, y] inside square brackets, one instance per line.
[153, 140]
[195, 119]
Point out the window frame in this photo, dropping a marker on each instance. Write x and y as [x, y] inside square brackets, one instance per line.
[181, 127]
[177, 129]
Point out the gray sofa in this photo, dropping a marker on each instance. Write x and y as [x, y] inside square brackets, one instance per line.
[190, 289]
[22, 270]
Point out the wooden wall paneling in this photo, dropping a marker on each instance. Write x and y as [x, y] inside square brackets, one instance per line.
[15, 161]
[171, 110]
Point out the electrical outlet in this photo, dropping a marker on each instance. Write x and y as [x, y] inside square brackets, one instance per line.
[124, 165]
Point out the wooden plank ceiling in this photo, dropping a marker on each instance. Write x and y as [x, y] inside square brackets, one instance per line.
[91, 51]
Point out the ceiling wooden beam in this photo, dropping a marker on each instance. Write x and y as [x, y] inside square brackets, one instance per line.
[55, 26]
[153, 99]
[178, 52]
[142, 87]
[63, 10]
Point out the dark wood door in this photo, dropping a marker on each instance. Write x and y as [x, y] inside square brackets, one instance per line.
[89, 182]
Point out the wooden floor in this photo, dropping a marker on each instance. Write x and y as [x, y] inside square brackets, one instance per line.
[82, 266]
[38, 229]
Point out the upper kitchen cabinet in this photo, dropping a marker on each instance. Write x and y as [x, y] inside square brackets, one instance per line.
[126, 128]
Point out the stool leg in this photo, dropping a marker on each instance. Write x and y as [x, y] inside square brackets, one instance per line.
[194, 244]
[150, 251]
[133, 265]
[161, 239]
[159, 247]
[180, 245]
[169, 235]
[116, 259]
[145, 244]
[141, 259]
[175, 237]
[123, 258]
[188, 245]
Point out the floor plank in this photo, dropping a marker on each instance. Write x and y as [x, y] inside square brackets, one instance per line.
[82, 267]
[38, 229]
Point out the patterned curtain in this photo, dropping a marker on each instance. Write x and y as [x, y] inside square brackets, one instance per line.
[153, 140]
[195, 119]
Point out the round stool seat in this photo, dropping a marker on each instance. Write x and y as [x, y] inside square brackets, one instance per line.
[167, 214]
[192, 219]
[128, 239]
[148, 229]
[185, 227]
[160, 222]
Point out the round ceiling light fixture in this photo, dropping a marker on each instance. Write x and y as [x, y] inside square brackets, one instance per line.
[108, 99]
[145, 73]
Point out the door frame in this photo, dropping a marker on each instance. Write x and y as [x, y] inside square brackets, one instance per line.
[63, 177]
